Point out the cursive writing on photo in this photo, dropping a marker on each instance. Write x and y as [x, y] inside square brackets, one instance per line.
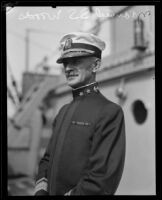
[40, 16]
[83, 14]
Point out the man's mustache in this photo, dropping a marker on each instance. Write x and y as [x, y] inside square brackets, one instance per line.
[71, 73]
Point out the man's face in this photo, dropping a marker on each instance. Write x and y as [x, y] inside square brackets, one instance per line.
[78, 71]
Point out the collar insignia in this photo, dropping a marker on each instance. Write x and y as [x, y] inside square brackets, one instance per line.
[85, 90]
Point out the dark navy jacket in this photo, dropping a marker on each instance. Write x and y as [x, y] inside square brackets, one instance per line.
[86, 152]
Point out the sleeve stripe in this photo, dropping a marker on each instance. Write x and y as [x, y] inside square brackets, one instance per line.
[40, 180]
[41, 186]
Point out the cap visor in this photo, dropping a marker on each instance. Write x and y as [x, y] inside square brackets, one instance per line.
[65, 57]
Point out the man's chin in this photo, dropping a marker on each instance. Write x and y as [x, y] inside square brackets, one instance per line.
[73, 83]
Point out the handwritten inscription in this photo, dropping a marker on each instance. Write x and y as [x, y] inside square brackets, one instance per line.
[143, 14]
[40, 16]
[83, 14]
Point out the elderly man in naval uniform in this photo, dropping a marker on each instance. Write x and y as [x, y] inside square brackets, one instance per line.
[86, 152]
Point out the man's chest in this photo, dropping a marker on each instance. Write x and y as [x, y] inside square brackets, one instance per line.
[77, 127]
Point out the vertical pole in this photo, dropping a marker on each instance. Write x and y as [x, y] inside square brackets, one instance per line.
[27, 50]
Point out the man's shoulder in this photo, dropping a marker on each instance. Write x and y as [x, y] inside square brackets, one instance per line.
[106, 101]
[105, 110]
[108, 105]
[65, 106]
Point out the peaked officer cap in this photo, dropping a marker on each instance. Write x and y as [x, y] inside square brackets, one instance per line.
[78, 44]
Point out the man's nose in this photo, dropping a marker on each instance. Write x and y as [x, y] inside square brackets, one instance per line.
[68, 67]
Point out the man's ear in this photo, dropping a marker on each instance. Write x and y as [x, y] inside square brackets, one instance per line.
[96, 65]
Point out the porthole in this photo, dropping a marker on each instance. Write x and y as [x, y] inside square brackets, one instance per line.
[139, 111]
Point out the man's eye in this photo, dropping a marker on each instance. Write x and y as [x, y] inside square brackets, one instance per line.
[76, 62]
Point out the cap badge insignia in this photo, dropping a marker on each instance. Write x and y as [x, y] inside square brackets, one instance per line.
[68, 44]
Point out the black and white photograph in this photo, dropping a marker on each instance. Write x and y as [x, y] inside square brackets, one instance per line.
[80, 100]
